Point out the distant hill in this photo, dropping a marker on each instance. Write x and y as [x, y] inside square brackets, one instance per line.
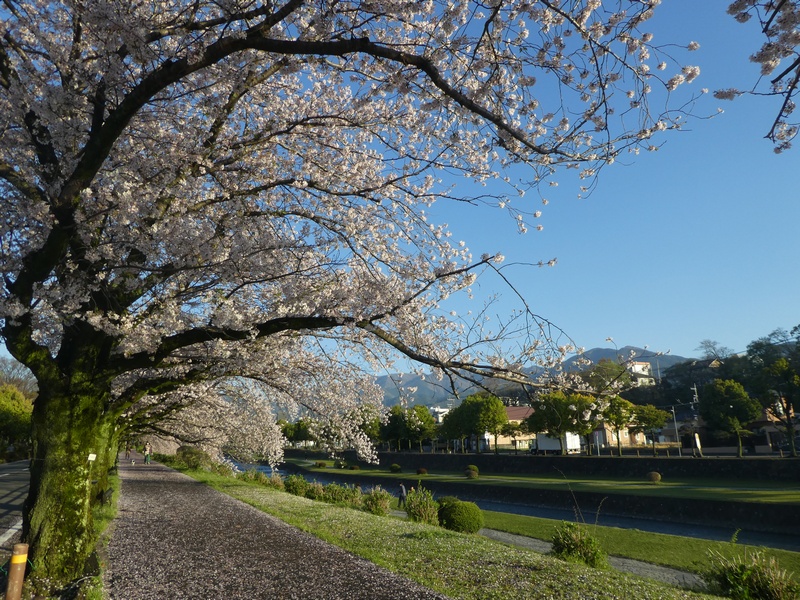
[430, 392]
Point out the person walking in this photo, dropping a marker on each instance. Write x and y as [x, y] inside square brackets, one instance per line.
[402, 501]
[148, 449]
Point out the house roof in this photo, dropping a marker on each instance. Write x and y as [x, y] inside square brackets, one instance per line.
[518, 413]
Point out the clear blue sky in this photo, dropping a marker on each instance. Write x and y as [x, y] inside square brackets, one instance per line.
[699, 240]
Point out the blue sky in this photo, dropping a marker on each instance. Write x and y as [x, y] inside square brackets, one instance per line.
[696, 241]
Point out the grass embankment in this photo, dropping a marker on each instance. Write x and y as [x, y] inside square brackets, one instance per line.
[454, 564]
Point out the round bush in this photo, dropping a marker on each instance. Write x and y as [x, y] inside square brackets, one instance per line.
[654, 477]
[465, 517]
[395, 468]
[470, 474]
[422, 471]
[473, 468]
[321, 464]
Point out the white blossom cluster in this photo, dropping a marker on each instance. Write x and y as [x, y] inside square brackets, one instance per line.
[778, 57]
[196, 192]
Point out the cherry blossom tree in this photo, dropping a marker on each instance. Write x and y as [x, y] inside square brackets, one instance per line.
[196, 194]
[778, 58]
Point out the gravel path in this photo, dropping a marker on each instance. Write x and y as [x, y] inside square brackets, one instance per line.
[179, 539]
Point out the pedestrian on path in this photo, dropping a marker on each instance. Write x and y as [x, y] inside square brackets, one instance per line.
[148, 449]
[402, 501]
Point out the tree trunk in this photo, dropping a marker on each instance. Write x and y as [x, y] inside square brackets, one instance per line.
[73, 451]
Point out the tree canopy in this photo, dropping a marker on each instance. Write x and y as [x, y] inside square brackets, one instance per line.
[726, 406]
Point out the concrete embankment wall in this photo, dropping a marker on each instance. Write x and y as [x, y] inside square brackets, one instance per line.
[756, 469]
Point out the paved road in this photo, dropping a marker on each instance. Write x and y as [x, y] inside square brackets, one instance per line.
[14, 480]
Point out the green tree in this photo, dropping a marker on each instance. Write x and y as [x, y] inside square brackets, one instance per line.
[15, 421]
[514, 429]
[476, 415]
[394, 429]
[13, 372]
[550, 415]
[456, 424]
[492, 416]
[726, 406]
[420, 424]
[618, 414]
[649, 420]
[775, 378]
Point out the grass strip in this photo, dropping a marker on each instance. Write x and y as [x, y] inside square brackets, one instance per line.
[457, 565]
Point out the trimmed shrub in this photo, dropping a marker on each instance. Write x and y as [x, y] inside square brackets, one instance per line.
[654, 477]
[421, 507]
[473, 468]
[321, 464]
[573, 543]
[355, 468]
[422, 471]
[749, 576]
[465, 517]
[377, 501]
[296, 484]
[471, 473]
[395, 468]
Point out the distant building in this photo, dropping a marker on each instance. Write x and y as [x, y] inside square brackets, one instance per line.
[641, 373]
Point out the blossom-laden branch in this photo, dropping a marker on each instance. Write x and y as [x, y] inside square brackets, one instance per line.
[779, 21]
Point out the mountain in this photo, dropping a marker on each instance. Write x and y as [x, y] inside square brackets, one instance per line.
[430, 392]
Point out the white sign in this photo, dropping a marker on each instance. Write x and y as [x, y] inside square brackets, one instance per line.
[92, 457]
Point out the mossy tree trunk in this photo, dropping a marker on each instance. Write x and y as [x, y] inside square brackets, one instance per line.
[73, 450]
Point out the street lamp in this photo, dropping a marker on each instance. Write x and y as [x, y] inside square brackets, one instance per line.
[677, 434]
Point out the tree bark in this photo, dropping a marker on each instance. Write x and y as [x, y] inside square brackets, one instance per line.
[73, 451]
